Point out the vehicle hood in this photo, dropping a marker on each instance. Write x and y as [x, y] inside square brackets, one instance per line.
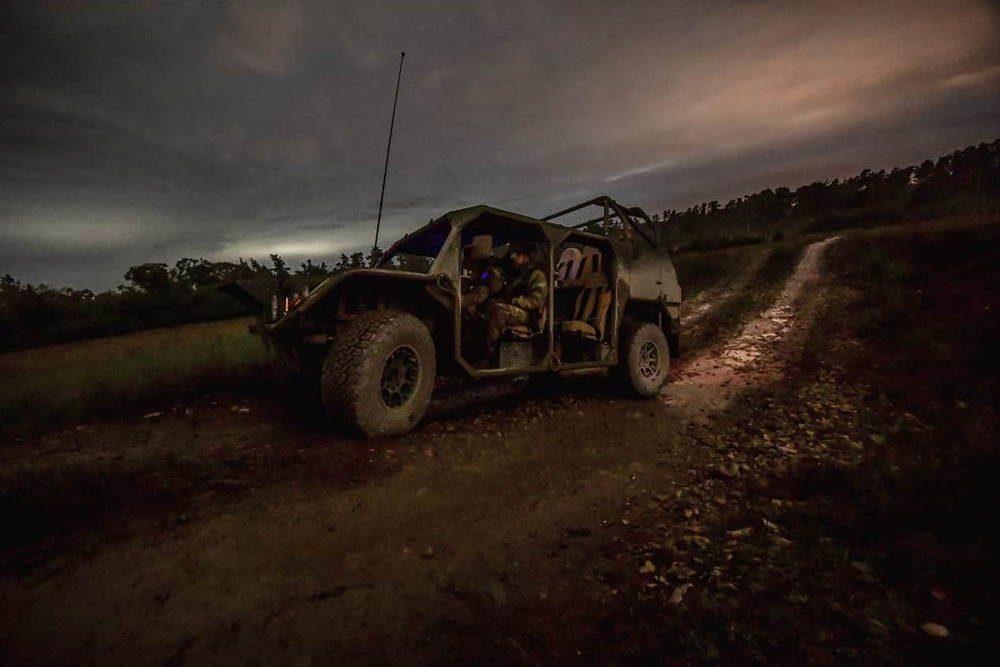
[325, 288]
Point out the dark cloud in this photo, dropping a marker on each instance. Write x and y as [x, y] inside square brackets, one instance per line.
[152, 130]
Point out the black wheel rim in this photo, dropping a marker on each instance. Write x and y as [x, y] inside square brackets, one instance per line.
[399, 376]
[649, 359]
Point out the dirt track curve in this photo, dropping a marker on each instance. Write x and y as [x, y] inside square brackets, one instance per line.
[707, 382]
[244, 534]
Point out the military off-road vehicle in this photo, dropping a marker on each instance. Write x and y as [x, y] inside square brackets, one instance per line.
[379, 338]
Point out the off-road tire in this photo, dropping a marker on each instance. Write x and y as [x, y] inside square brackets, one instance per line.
[634, 367]
[360, 359]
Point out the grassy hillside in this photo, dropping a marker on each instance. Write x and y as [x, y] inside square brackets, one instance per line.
[61, 383]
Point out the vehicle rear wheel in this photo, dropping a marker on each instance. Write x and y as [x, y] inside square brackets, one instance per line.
[379, 373]
[645, 357]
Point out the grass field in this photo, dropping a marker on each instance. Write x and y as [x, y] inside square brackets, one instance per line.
[52, 386]
[700, 271]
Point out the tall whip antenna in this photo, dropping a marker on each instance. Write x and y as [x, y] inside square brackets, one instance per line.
[385, 170]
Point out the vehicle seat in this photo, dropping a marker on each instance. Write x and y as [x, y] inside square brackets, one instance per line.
[519, 332]
[569, 264]
[590, 310]
[524, 331]
[587, 264]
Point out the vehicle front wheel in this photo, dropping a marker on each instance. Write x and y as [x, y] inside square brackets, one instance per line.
[379, 373]
[645, 358]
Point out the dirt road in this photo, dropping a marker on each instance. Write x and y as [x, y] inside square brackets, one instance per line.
[753, 357]
[237, 529]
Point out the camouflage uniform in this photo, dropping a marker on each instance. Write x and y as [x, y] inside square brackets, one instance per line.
[472, 300]
[530, 296]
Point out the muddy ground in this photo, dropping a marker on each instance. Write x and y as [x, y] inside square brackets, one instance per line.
[560, 523]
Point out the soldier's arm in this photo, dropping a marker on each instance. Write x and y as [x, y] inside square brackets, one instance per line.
[475, 297]
[494, 280]
[538, 291]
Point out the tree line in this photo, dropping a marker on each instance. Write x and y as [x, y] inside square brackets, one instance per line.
[153, 295]
[963, 181]
[158, 295]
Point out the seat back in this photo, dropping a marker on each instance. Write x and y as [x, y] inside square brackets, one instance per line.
[580, 265]
[584, 269]
[601, 313]
[591, 263]
[592, 303]
[569, 262]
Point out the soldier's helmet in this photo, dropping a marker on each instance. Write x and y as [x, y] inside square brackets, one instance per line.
[529, 249]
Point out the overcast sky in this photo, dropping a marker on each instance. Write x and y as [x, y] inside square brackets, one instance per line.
[141, 131]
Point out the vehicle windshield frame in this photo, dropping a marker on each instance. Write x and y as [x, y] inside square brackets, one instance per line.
[432, 236]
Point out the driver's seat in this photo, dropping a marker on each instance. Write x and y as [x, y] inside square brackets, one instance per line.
[517, 344]
[524, 331]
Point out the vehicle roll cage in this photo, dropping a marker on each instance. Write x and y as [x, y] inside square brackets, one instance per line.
[612, 210]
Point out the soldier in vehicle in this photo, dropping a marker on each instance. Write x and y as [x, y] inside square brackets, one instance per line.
[491, 284]
[481, 278]
[526, 295]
